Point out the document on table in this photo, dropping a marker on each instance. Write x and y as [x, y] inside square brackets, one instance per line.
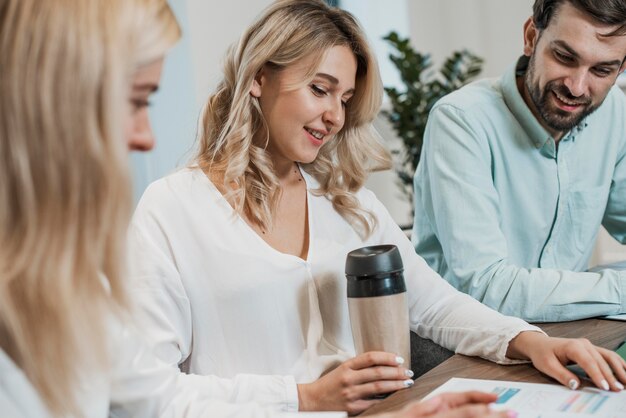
[534, 400]
[618, 317]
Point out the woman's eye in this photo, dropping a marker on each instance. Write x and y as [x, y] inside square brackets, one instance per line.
[139, 104]
[318, 91]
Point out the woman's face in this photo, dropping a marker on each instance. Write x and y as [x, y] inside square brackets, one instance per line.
[302, 119]
[145, 82]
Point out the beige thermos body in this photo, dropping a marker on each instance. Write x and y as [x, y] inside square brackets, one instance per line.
[377, 301]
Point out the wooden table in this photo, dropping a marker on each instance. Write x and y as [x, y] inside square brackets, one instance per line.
[604, 333]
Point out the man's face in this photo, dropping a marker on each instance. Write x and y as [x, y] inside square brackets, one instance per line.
[571, 68]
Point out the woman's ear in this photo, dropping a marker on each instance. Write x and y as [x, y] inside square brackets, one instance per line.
[531, 35]
[257, 83]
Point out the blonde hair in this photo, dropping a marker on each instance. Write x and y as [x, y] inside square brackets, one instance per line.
[234, 134]
[64, 183]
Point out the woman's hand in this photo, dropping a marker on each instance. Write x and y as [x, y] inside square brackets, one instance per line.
[453, 405]
[351, 386]
[550, 355]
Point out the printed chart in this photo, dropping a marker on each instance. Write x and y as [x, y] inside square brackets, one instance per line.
[532, 400]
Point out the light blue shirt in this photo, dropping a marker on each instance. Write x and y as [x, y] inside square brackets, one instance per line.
[507, 217]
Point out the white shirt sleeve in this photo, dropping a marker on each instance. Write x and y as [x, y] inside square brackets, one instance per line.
[441, 313]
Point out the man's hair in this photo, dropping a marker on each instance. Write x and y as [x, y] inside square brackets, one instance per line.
[610, 12]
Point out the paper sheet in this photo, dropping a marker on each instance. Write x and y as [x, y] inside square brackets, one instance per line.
[533, 400]
[619, 317]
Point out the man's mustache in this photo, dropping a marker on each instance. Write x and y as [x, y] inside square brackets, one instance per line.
[562, 91]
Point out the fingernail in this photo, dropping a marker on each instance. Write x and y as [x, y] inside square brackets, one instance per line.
[408, 383]
[511, 414]
[605, 385]
[573, 384]
[619, 386]
[408, 373]
[399, 360]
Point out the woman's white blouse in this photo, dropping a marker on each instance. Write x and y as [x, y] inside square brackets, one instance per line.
[219, 301]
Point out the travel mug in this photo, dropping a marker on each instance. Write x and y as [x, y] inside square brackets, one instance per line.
[377, 301]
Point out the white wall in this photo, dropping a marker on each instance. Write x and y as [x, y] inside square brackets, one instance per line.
[492, 29]
[213, 26]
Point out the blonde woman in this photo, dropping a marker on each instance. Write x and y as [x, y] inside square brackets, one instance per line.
[75, 78]
[238, 260]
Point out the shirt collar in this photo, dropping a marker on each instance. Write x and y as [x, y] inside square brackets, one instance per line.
[516, 104]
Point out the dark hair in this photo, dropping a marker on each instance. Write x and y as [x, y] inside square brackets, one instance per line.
[610, 12]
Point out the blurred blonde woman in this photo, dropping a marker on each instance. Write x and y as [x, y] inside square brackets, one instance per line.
[75, 79]
[238, 260]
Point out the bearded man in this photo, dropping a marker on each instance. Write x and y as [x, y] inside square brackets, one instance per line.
[518, 173]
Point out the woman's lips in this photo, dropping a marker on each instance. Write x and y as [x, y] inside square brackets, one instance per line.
[315, 141]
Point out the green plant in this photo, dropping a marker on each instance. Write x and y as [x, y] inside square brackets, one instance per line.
[410, 108]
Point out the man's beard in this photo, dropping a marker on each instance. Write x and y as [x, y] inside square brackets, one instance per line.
[555, 118]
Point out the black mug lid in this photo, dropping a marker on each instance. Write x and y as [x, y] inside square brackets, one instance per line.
[375, 271]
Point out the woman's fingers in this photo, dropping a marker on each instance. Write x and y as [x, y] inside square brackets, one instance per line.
[553, 367]
[582, 352]
[609, 381]
[475, 411]
[425, 409]
[352, 385]
[617, 366]
[376, 373]
[380, 387]
[455, 399]
[375, 358]
[381, 373]
[604, 367]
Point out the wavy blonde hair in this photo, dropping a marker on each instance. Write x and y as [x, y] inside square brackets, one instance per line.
[64, 183]
[234, 134]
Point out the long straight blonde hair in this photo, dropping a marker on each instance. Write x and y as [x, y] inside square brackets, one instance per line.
[64, 183]
[234, 134]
